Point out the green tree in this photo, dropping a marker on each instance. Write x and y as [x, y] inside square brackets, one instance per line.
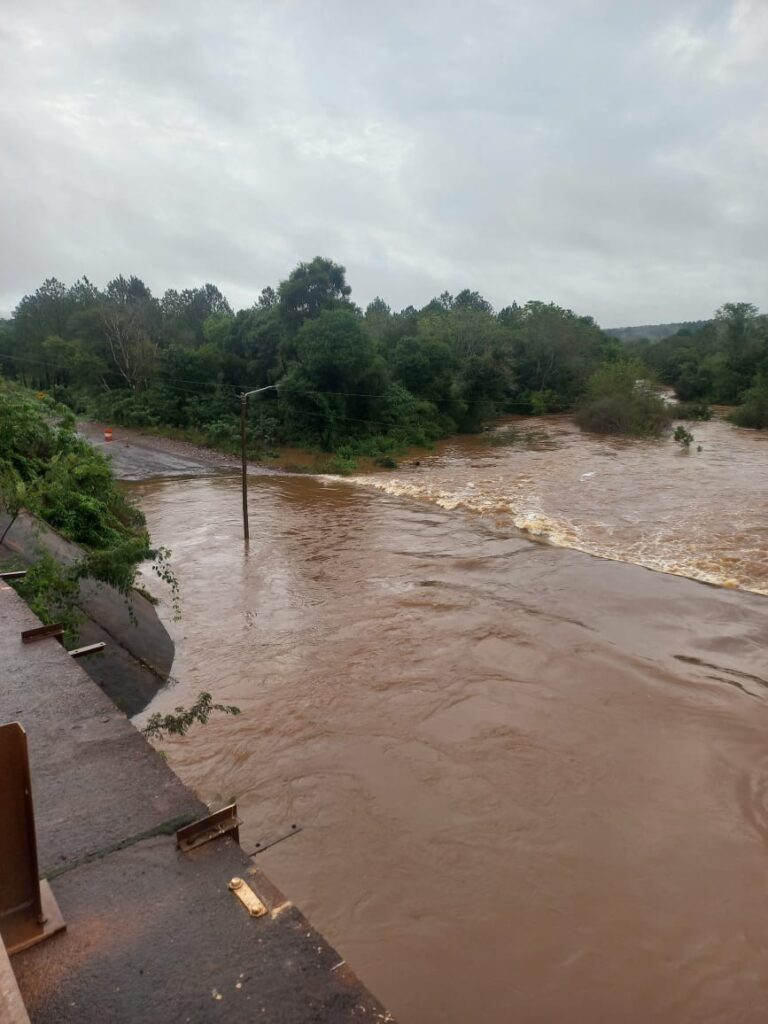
[184, 313]
[311, 288]
[555, 351]
[337, 384]
[130, 319]
[378, 319]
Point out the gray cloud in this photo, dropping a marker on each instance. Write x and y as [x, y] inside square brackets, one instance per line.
[611, 157]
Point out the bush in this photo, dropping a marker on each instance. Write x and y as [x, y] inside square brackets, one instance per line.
[543, 402]
[337, 465]
[753, 412]
[46, 468]
[691, 411]
[619, 401]
[51, 591]
[683, 437]
[638, 414]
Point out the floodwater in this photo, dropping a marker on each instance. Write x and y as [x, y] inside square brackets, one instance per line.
[532, 783]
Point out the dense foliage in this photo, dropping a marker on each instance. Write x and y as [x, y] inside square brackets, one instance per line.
[47, 468]
[725, 362]
[618, 400]
[349, 381]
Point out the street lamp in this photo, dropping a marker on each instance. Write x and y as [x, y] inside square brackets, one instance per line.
[243, 410]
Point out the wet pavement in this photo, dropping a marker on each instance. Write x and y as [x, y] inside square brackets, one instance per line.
[152, 934]
[134, 458]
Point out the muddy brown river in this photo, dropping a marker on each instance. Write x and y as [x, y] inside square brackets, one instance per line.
[532, 782]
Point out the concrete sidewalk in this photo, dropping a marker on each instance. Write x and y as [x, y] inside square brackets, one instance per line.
[153, 935]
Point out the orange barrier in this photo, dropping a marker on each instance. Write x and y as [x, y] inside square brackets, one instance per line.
[108, 434]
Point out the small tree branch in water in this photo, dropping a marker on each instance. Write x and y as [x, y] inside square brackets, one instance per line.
[179, 722]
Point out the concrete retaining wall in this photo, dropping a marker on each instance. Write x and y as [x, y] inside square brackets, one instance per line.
[143, 636]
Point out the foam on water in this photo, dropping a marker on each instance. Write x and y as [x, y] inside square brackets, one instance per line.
[632, 502]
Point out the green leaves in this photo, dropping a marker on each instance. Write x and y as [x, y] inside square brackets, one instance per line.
[182, 719]
[311, 288]
[683, 437]
[47, 469]
[51, 591]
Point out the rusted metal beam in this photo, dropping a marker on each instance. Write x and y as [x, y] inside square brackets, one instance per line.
[55, 629]
[28, 910]
[78, 652]
[220, 823]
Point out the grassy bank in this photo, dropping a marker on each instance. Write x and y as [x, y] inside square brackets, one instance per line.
[47, 469]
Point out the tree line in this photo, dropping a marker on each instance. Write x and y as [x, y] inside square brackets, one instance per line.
[723, 362]
[364, 380]
[350, 381]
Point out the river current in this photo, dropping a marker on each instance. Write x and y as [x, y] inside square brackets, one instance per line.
[532, 783]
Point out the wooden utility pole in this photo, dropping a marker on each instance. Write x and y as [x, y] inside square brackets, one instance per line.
[244, 460]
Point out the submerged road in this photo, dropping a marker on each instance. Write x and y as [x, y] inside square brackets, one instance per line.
[136, 456]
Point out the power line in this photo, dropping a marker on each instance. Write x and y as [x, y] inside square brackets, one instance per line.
[176, 382]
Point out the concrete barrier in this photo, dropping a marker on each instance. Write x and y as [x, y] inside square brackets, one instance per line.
[138, 630]
[12, 1009]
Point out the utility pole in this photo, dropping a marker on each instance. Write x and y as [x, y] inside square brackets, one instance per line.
[244, 461]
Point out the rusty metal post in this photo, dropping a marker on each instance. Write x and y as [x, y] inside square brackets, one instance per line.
[28, 910]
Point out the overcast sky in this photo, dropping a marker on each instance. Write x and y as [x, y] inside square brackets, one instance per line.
[610, 155]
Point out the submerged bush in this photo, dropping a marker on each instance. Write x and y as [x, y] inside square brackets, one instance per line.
[636, 415]
[619, 401]
[683, 437]
[519, 437]
[338, 465]
[691, 411]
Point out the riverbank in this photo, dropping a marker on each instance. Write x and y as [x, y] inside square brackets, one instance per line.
[172, 453]
[153, 935]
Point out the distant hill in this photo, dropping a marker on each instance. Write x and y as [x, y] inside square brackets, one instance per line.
[654, 332]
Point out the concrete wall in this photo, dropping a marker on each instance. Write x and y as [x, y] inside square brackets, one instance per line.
[12, 1009]
[143, 636]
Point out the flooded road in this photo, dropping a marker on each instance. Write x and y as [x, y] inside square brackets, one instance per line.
[699, 513]
[533, 784]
